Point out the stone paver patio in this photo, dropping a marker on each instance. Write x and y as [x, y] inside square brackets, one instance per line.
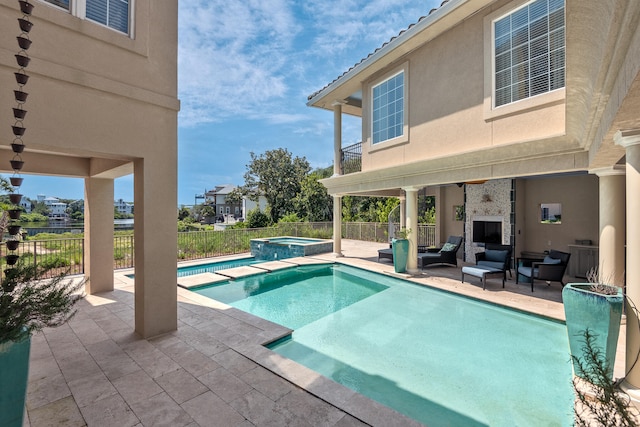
[214, 371]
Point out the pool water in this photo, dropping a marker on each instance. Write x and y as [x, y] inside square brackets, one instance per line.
[215, 266]
[439, 358]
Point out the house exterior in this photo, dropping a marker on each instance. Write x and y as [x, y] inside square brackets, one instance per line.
[57, 209]
[102, 103]
[224, 208]
[122, 207]
[524, 114]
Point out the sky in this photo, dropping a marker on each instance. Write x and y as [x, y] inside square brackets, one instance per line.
[245, 70]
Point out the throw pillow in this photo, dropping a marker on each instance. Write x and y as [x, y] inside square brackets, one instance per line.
[549, 260]
[495, 255]
[448, 247]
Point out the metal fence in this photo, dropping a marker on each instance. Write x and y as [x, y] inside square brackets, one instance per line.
[68, 253]
[351, 158]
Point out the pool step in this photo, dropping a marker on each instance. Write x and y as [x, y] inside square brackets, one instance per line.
[201, 279]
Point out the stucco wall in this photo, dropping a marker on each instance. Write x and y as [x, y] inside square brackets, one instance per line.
[579, 198]
[446, 95]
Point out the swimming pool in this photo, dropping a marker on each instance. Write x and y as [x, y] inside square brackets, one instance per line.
[439, 358]
[215, 266]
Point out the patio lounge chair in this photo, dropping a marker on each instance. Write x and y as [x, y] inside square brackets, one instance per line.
[551, 269]
[444, 255]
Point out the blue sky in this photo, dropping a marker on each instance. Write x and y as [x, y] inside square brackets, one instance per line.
[245, 70]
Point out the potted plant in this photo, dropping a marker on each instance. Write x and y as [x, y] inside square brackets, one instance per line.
[29, 302]
[597, 307]
[400, 247]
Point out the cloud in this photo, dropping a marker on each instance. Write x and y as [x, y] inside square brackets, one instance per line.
[231, 57]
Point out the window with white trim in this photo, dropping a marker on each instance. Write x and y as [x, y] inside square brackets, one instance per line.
[111, 13]
[529, 46]
[388, 109]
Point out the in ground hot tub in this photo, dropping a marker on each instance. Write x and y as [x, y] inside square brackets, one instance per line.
[275, 248]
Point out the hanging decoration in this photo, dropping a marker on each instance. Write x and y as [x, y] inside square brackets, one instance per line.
[18, 128]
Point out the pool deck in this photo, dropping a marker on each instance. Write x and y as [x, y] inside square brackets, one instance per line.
[213, 370]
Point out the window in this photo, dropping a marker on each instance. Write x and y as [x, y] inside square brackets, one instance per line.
[529, 48]
[111, 13]
[60, 3]
[388, 109]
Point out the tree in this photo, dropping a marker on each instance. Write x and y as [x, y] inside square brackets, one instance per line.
[184, 213]
[313, 202]
[257, 219]
[276, 176]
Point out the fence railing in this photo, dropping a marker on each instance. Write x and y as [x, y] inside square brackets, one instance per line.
[68, 253]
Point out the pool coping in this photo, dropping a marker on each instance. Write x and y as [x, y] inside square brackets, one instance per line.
[343, 398]
[359, 406]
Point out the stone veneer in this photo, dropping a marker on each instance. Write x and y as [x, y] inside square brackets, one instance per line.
[489, 201]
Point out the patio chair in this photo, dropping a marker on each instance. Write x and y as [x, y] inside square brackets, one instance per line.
[495, 259]
[444, 255]
[499, 247]
[551, 269]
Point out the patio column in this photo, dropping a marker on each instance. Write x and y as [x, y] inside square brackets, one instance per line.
[630, 140]
[98, 236]
[156, 240]
[411, 195]
[337, 138]
[337, 170]
[612, 224]
[337, 226]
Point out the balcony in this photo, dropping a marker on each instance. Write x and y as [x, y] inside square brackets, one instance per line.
[351, 158]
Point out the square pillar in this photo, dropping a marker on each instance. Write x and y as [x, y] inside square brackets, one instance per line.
[156, 242]
[98, 234]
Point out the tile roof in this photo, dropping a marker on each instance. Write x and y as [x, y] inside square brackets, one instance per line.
[378, 49]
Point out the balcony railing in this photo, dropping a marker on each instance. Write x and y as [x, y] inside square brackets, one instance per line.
[352, 158]
[67, 254]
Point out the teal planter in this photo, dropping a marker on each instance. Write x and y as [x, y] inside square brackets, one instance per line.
[14, 373]
[400, 254]
[601, 314]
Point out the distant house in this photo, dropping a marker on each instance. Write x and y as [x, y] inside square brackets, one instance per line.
[57, 209]
[122, 207]
[249, 205]
[224, 208]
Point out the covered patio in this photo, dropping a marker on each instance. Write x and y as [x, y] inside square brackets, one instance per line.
[96, 371]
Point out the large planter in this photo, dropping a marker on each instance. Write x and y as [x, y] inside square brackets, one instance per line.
[14, 373]
[400, 254]
[601, 314]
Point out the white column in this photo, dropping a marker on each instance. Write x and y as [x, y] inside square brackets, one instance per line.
[630, 140]
[411, 195]
[611, 246]
[98, 236]
[337, 170]
[337, 226]
[337, 138]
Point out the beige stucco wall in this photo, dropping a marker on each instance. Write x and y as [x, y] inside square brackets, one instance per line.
[446, 95]
[579, 198]
[100, 102]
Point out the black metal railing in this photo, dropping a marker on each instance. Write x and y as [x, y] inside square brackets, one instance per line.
[67, 254]
[352, 158]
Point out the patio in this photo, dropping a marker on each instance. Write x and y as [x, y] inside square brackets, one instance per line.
[213, 370]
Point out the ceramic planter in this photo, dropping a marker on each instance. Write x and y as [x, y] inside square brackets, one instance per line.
[14, 373]
[400, 254]
[601, 314]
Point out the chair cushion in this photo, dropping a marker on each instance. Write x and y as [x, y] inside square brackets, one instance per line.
[526, 271]
[448, 247]
[492, 264]
[495, 255]
[549, 260]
